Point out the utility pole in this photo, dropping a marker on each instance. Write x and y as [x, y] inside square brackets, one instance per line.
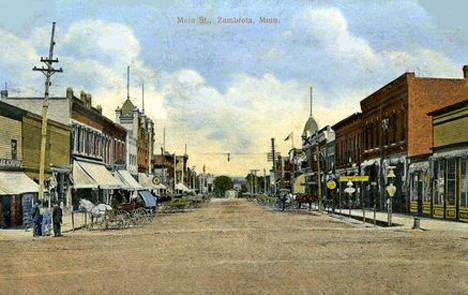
[274, 164]
[143, 98]
[175, 172]
[183, 164]
[254, 171]
[48, 71]
[319, 182]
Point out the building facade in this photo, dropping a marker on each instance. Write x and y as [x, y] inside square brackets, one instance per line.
[20, 145]
[140, 137]
[447, 178]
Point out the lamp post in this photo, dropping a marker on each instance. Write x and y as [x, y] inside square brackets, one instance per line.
[349, 190]
[391, 190]
[385, 123]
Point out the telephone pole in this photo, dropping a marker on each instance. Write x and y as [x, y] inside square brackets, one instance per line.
[253, 172]
[274, 164]
[48, 71]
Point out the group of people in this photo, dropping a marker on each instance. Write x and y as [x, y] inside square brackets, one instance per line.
[41, 222]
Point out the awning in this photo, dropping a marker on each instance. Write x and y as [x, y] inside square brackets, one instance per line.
[93, 175]
[16, 183]
[451, 153]
[148, 198]
[181, 187]
[161, 186]
[128, 179]
[418, 166]
[145, 181]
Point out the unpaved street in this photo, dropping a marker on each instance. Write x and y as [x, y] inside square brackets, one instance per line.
[239, 247]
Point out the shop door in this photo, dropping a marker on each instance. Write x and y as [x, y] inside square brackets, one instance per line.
[6, 215]
[452, 192]
[420, 194]
[463, 195]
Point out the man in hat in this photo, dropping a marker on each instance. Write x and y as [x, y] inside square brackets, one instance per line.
[57, 219]
[37, 220]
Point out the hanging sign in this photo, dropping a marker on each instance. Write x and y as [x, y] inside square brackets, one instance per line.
[354, 178]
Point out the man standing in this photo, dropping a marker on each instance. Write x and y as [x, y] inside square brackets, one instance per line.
[57, 219]
[37, 220]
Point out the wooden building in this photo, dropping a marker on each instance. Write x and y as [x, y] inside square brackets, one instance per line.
[19, 162]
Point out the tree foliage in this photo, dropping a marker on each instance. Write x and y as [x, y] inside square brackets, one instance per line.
[221, 185]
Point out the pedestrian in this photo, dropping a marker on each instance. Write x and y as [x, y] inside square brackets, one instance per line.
[57, 219]
[46, 221]
[36, 219]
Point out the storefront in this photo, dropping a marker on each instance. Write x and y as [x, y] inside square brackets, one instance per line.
[92, 181]
[17, 192]
[450, 185]
[419, 188]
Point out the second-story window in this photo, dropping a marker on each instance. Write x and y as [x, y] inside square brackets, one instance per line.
[14, 149]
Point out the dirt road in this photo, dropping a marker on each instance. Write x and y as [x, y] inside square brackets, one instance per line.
[239, 247]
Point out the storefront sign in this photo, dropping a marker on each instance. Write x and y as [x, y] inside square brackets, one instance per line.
[354, 178]
[10, 163]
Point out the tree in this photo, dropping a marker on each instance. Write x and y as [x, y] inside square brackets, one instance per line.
[221, 185]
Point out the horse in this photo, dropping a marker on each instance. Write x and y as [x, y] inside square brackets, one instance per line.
[306, 198]
[95, 211]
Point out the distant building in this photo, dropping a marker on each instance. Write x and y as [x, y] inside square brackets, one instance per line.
[140, 137]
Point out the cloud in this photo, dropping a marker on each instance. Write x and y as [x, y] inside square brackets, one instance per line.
[265, 71]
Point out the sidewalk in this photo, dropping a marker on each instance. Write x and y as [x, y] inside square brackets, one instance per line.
[406, 221]
[67, 226]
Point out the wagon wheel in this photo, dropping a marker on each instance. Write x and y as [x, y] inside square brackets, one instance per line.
[122, 218]
[141, 215]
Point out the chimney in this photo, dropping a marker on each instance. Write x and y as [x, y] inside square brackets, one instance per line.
[99, 109]
[4, 92]
[465, 71]
[70, 93]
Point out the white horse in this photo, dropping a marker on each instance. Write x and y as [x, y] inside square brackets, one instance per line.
[95, 211]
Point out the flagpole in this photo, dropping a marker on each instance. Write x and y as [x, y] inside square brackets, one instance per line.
[292, 139]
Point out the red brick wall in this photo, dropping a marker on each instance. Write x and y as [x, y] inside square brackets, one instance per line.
[348, 138]
[388, 102]
[86, 119]
[426, 95]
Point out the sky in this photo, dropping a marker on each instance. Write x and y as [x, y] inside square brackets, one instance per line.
[223, 87]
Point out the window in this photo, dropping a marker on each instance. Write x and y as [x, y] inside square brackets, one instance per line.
[439, 182]
[451, 178]
[14, 148]
[403, 127]
[464, 182]
[394, 128]
[414, 187]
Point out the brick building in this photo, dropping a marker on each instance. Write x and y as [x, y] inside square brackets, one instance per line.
[397, 130]
[348, 136]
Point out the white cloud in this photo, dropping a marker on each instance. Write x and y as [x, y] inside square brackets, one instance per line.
[344, 68]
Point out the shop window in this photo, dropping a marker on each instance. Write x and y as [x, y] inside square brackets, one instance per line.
[14, 149]
[425, 184]
[451, 179]
[414, 187]
[464, 182]
[403, 127]
[439, 170]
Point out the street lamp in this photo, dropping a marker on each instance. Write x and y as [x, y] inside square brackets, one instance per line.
[349, 190]
[385, 123]
[391, 190]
